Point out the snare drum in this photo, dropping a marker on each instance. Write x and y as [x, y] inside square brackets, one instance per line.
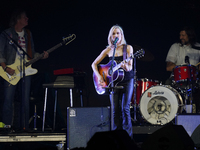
[142, 85]
[159, 104]
[184, 72]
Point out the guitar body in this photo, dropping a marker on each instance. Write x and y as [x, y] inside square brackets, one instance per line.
[118, 76]
[14, 79]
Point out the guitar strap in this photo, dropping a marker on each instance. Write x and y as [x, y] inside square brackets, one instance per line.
[29, 50]
[124, 51]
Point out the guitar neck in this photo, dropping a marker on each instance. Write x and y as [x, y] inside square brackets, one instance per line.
[137, 54]
[42, 55]
[119, 65]
[66, 41]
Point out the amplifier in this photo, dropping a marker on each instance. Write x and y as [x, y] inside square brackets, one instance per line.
[84, 122]
[188, 121]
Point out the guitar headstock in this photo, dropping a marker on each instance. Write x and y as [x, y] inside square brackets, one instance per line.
[68, 39]
[140, 53]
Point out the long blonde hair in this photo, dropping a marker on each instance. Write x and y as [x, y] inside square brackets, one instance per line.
[123, 41]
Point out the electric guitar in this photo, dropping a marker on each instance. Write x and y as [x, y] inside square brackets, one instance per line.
[118, 74]
[14, 79]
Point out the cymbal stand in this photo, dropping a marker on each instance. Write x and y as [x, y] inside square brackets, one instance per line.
[191, 85]
[189, 88]
[134, 91]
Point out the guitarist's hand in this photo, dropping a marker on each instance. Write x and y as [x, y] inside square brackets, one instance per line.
[10, 71]
[46, 55]
[124, 65]
[101, 82]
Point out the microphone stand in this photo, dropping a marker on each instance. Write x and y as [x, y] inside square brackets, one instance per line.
[22, 75]
[112, 87]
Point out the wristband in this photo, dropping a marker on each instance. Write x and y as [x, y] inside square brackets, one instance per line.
[5, 68]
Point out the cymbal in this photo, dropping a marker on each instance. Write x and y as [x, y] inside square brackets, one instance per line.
[148, 56]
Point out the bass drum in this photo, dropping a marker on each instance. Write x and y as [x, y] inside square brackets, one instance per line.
[160, 104]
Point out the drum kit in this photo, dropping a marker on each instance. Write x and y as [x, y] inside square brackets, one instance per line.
[158, 104]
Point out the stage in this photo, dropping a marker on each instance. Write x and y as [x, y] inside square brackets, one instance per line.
[66, 139]
[31, 140]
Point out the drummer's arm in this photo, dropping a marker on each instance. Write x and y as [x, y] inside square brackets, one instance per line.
[170, 66]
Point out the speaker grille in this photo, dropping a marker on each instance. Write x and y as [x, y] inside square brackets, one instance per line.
[84, 122]
[188, 121]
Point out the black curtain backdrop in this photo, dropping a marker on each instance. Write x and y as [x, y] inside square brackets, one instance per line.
[153, 25]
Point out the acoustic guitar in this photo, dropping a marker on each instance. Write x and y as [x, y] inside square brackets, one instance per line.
[118, 73]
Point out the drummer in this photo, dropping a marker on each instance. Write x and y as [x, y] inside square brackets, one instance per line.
[186, 51]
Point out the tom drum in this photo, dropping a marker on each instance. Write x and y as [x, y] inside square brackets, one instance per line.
[142, 85]
[184, 72]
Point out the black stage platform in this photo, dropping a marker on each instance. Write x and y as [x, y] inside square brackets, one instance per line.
[38, 140]
[80, 131]
[31, 140]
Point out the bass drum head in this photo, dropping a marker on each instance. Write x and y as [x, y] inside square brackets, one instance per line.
[160, 104]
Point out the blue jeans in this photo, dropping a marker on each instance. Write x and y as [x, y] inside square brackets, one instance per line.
[121, 107]
[9, 95]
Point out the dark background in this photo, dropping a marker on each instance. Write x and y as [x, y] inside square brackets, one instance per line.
[154, 25]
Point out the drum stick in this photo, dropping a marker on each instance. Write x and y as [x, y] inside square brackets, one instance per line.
[197, 64]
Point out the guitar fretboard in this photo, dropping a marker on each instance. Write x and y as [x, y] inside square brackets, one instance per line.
[41, 55]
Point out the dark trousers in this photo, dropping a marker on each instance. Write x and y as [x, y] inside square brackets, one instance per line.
[8, 105]
[121, 107]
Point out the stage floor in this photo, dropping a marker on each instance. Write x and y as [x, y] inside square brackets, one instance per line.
[52, 140]
[31, 140]
[32, 137]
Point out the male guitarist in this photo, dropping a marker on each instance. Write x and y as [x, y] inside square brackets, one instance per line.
[122, 98]
[12, 41]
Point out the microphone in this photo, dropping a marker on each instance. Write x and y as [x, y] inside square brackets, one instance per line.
[187, 60]
[115, 41]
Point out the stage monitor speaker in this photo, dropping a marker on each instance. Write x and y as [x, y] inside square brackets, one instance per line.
[170, 137]
[196, 136]
[188, 121]
[84, 122]
[112, 140]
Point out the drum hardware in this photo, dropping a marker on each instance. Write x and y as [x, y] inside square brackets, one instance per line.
[162, 109]
[147, 57]
[187, 95]
[185, 78]
[134, 91]
[140, 86]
